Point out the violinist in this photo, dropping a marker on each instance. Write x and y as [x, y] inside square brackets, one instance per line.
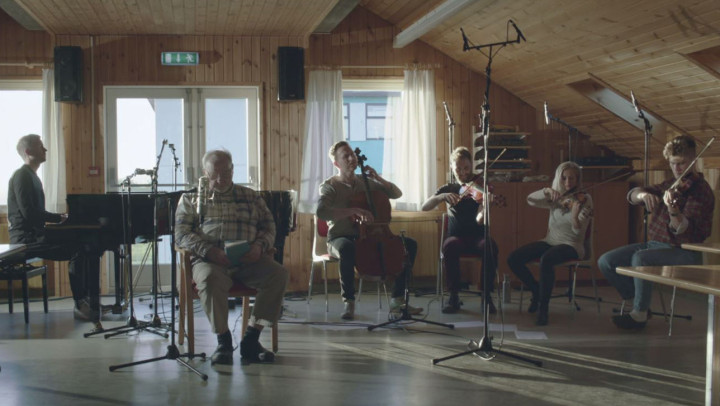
[570, 216]
[681, 214]
[465, 205]
[336, 193]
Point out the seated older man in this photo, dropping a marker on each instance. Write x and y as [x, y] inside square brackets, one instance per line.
[232, 213]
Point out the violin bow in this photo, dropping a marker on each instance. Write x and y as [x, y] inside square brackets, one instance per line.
[677, 181]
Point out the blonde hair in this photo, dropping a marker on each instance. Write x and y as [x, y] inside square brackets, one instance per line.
[557, 183]
[459, 153]
[335, 147]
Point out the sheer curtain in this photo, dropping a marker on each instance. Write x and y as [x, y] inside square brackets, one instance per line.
[409, 153]
[54, 167]
[323, 128]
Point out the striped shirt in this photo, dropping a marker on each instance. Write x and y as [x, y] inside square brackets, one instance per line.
[238, 214]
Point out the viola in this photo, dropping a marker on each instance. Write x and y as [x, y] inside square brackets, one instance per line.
[378, 252]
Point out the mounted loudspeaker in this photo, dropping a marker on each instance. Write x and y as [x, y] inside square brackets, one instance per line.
[68, 64]
[291, 80]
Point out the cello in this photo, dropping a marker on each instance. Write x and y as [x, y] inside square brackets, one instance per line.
[378, 252]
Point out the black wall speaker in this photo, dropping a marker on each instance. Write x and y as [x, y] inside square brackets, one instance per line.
[68, 62]
[291, 81]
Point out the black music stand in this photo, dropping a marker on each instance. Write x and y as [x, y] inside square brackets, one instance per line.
[405, 313]
[173, 353]
[483, 348]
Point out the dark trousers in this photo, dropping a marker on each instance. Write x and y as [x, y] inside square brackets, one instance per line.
[549, 255]
[454, 247]
[343, 248]
[84, 269]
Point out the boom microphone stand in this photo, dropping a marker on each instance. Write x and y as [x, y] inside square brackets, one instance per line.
[483, 348]
[571, 130]
[172, 350]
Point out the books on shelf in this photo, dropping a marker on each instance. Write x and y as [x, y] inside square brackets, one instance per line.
[236, 250]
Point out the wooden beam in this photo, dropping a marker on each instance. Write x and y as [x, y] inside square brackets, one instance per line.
[429, 21]
[338, 13]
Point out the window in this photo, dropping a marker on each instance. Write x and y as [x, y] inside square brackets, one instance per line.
[366, 102]
[20, 114]
[192, 121]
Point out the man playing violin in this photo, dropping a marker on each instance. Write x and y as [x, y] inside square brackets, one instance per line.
[334, 207]
[465, 204]
[679, 215]
[569, 217]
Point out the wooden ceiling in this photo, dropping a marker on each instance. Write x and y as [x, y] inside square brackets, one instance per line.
[666, 51]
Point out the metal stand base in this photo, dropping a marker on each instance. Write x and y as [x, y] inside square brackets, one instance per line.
[172, 354]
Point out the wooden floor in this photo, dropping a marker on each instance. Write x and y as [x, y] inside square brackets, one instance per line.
[586, 360]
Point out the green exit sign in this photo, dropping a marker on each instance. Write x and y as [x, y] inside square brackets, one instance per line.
[179, 58]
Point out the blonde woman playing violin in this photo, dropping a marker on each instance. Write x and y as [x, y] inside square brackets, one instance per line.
[679, 215]
[570, 214]
[465, 226]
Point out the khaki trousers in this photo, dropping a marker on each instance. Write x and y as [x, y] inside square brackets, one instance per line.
[214, 282]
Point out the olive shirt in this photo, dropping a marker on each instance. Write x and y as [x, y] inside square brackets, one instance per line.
[336, 194]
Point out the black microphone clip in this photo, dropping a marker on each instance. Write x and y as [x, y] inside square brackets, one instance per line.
[519, 33]
[466, 45]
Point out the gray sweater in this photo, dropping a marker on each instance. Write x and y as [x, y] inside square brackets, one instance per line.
[560, 227]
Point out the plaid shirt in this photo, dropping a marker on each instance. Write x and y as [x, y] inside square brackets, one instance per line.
[697, 209]
[238, 214]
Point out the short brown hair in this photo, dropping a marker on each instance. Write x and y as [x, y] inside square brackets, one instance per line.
[682, 145]
[335, 147]
[460, 152]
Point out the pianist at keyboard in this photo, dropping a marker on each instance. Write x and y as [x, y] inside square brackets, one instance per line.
[27, 217]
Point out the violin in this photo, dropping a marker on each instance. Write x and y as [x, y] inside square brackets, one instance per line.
[473, 191]
[679, 188]
[567, 201]
[378, 252]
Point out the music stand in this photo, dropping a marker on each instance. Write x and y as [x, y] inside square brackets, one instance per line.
[172, 350]
[483, 347]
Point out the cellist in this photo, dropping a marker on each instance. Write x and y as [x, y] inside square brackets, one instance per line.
[334, 207]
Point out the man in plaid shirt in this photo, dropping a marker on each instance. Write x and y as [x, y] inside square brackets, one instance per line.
[232, 213]
[677, 217]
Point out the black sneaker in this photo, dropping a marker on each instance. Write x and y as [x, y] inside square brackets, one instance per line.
[252, 351]
[452, 306]
[626, 322]
[223, 355]
[542, 318]
[533, 305]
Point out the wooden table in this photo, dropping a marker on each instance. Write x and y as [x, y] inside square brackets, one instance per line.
[697, 278]
[709, 247]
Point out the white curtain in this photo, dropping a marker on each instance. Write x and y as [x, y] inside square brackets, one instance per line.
[323, 128]
[409, 153]
[54, 167]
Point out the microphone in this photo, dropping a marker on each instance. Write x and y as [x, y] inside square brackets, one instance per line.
[465, 40]
[202, 192]
[517, 30]
[139, 171]
[634, 102]
[547, 116]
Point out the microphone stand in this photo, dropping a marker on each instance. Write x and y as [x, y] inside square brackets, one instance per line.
[483, 347]
[571, 130]
[173, 353]
[451, 136]
[646, 213]
[132, 323]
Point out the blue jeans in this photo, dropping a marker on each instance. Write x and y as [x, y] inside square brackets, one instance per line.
[652, 253]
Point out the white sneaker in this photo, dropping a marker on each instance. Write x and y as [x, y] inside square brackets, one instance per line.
[398, 304]
[349, 312]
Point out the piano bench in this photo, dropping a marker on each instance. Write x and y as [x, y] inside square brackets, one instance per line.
[23, 272]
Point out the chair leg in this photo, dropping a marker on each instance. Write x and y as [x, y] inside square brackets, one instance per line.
[274, 339]
[26, 298]
[182, 298]
[11, 299]
[310, 282]
[597, 298]
[327, 306]
[573, 305]
[672, 311]
[387, 299]
[359, 291]
[45, 291]
[379, 297]
[245, 314]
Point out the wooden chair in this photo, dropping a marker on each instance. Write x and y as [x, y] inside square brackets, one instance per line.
[185, 299]
[573, 267]
[320, 255]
